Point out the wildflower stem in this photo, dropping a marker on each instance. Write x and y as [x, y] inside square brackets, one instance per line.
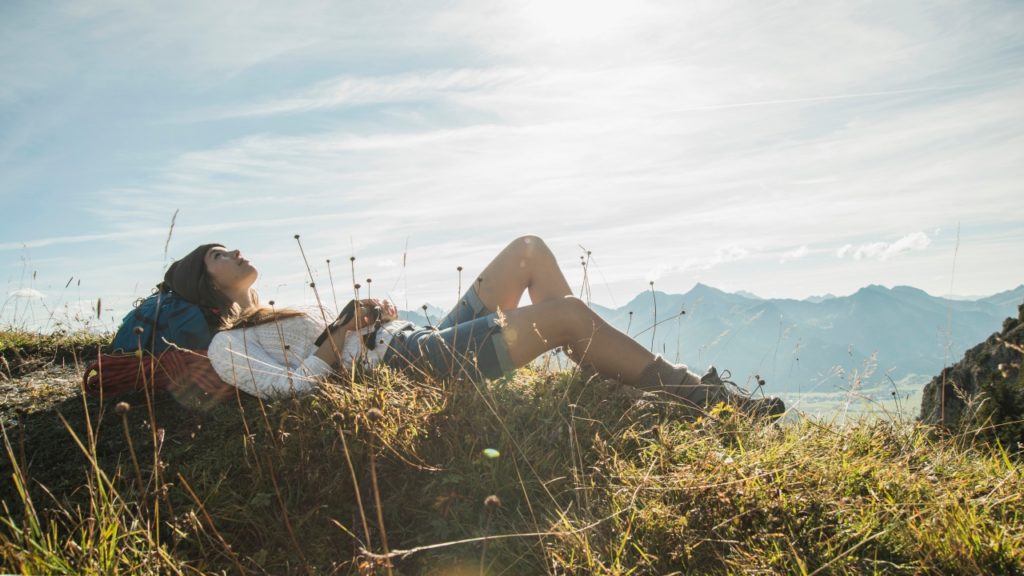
[376, 497]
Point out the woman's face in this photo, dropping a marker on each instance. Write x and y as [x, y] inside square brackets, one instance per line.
[228, 270]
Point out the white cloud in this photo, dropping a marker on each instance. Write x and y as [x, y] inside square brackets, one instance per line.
[657, 272]
[912, 242]
[730, 253]
[26, 294]
[723, 255]
[872, 250]
[794, 254]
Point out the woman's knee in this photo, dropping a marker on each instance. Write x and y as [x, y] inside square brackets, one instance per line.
[530, 245]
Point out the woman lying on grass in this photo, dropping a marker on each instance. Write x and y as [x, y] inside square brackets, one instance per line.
[269, 352]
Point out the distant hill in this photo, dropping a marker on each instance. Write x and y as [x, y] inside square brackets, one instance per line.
[433, 315]
[812, 344]
[1009, 298]
[799, 345]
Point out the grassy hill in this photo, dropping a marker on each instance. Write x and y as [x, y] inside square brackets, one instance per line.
[544, 472]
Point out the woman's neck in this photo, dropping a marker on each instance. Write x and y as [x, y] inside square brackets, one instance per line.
[242, 297]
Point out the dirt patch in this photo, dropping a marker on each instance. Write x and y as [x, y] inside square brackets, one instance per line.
[40, 389]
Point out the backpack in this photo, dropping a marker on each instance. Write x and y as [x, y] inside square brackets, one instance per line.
[163, 318]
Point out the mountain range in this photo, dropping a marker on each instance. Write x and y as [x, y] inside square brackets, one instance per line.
[820, 344]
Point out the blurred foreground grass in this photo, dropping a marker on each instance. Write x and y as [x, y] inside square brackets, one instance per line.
[543, 472]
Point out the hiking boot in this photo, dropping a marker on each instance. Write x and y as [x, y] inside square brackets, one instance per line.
[713, 389]
[724, 390]
[675, 382]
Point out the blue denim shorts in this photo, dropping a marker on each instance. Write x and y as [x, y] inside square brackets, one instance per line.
[467, 343]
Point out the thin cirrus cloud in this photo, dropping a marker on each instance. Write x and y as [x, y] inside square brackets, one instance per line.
[375, 90]
[912, 242]
[516, 164]
[554, 132]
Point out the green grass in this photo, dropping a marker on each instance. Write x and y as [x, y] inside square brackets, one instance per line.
[586, 482]
[23, 351]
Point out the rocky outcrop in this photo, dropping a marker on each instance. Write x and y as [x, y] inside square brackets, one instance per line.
[990, 371]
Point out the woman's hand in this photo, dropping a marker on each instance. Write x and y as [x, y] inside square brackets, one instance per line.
[371, 309]
[367, 311]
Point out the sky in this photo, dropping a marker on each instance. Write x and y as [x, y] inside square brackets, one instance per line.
[787, 149]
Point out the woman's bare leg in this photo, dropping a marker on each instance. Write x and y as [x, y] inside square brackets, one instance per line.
[555, 318]
[569, 322]
[525, 264]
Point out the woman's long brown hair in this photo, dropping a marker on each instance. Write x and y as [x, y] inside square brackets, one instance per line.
[254, 316]
[260, 315]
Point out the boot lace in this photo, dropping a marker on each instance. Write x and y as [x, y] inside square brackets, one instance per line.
[726, 377]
